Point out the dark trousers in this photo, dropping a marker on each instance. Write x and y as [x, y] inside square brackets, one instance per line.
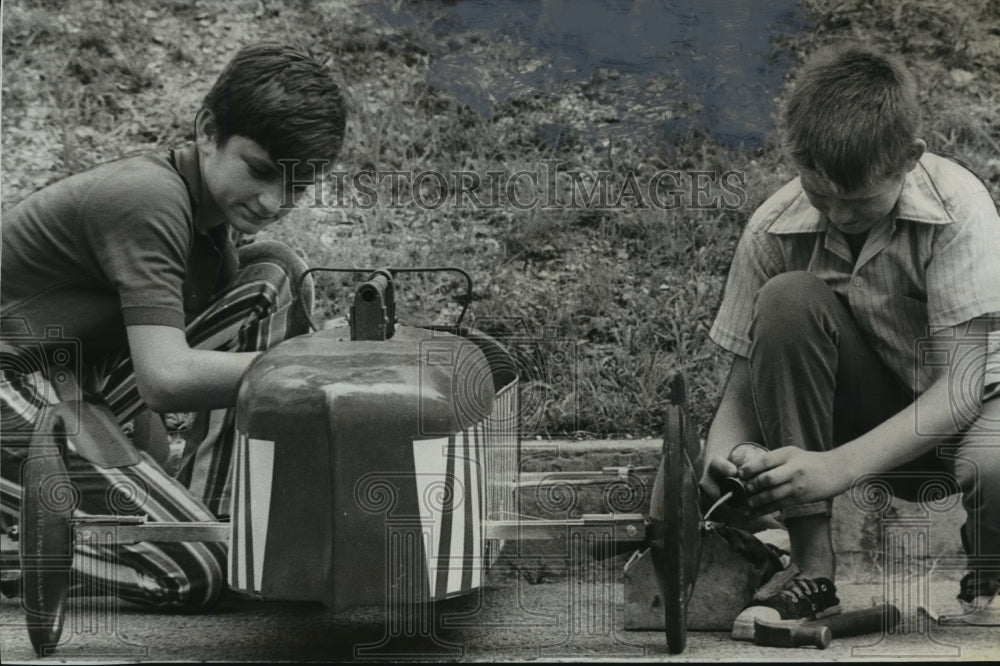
[817, 383]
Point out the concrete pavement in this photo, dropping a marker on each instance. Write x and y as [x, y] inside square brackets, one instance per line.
[567, 616]
[541, 601]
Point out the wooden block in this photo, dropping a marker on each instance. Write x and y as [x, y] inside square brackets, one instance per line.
[726, 582]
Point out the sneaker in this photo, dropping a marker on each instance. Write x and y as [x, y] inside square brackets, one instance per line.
[977, 595]
[978, 591]
[789, 596]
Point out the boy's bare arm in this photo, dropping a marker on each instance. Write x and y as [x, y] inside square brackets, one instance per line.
[735, 421]
[790, 475]
[172, 377]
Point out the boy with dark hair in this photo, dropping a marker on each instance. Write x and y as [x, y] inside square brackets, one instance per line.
[136, 260]
[842, 282]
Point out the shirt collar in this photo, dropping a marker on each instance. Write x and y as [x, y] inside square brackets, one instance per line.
[799, 217]
[206, 213]
[919, 201]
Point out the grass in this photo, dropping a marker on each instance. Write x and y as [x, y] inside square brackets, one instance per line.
[627, 295]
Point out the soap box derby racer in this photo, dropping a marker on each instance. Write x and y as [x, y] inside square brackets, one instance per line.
[365, 448]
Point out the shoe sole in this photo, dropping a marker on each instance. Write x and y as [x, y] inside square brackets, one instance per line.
[984, 617]
[984, 611]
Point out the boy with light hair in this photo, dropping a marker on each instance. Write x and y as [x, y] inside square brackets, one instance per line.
[857, 307]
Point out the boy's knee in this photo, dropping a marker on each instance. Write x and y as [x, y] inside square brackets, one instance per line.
[789, 298]
[977, 470]
[274, 252]
[285, 269]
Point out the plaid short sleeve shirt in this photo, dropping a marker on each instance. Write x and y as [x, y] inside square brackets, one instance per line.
[934, 263]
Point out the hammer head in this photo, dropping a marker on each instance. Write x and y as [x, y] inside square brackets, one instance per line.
[784, 634]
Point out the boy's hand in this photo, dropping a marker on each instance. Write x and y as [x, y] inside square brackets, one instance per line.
[741, 517]
[717, 469]
[790, 475]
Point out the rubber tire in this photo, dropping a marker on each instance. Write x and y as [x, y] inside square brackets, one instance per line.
[46, 541]
[674, 515]
[674, 597]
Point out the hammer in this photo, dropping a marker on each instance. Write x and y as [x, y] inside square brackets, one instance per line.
[820, 632]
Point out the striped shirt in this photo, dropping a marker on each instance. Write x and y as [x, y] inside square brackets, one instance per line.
[933, 263]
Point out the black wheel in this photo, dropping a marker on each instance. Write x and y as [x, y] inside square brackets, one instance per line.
[46, 541]
[674, 515]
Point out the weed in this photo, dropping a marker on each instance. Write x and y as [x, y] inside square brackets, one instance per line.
[634, 289]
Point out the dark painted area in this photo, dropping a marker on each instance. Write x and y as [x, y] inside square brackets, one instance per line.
[660, 67]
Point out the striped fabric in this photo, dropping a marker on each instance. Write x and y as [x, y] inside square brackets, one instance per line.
[934, 263]
[254, 470]
[463, 480]
[500, 460]
[252, 315]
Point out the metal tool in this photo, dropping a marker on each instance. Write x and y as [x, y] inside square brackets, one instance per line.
[879, 618]
[780, 634]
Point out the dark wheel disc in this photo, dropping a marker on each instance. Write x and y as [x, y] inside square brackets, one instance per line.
[46, 542]
[674, 518]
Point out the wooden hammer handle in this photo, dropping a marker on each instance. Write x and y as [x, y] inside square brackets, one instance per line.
[882, 617]
[791, 635]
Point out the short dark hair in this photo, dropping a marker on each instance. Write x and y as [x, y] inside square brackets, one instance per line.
[282, 98]
[852, 116]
